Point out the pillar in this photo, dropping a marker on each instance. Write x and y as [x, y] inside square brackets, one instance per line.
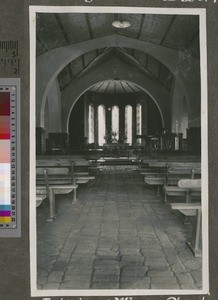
[133, 124]
[122, 118]
[96, 124]
[144, 120]
[86, 116]
[108, 118]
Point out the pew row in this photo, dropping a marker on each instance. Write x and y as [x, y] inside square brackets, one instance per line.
[168, 174]
[79, 168]
[187, 188]
[51, 181]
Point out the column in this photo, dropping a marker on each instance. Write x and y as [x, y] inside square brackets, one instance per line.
[144, 117]
[133, 124]
[108, 118]
[96, 124]
[144, 121]
[122, 119]
[86, 116]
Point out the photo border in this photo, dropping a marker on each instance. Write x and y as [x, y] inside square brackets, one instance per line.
[201, 12]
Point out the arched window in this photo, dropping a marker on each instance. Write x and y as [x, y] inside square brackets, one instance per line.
[139, 121]
[128, 123]
[91, 135]
[101, 124]
[115, 120]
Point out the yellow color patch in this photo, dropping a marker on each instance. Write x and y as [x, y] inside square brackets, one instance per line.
[5, 219]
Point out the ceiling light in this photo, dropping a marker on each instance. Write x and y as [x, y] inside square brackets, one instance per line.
[121, 24]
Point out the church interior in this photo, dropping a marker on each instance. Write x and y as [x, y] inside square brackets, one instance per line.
[118, 151]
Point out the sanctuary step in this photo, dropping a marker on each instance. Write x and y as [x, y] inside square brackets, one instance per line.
[118, 161]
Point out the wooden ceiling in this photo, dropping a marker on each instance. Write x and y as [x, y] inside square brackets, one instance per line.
[115, 86]
[180, 32]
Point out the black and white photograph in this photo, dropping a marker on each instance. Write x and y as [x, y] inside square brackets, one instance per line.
[118, 156]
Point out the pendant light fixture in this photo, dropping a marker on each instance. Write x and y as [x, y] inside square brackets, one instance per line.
[121, 24]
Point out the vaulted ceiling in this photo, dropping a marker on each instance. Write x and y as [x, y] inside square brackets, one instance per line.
[179, 32]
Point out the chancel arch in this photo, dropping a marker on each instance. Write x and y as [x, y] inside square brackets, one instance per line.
[169, 57]
[123, 71]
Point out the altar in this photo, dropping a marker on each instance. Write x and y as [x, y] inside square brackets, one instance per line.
[116, 149]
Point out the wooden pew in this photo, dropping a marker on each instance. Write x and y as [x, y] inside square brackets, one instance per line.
[154, 174]
[160, 180]
[41, 194]
[183, 189]
[81, 171]
[79, 167]
[170, 173]
[193, 211]
[53, 180]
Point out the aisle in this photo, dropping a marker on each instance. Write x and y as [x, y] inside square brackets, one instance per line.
[118, 236]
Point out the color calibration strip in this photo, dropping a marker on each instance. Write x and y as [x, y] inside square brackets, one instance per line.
[9, 134]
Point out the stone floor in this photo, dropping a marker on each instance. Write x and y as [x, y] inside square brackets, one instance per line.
[119, 235]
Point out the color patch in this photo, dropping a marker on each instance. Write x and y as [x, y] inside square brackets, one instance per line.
[5, 219]
[4, 127]
[5, 213]
[4, 104]
[5, 155]
[5, 187]
[5, 207]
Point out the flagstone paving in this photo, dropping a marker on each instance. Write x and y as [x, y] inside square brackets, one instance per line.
[120, 235]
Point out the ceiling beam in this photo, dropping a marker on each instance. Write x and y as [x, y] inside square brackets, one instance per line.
[41, 43]
[168, 30]
[141, 26]
[70, 71]
[89, 26]
[107, 87]
[140, 31]
[130, 87]
[99, 86]
[94, 62]
[138, 64]
[90, 30]
[62, 28]
[57, 17]
[115, 87]
[122, 86]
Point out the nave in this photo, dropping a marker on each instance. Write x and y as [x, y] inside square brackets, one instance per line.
[119, 235]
